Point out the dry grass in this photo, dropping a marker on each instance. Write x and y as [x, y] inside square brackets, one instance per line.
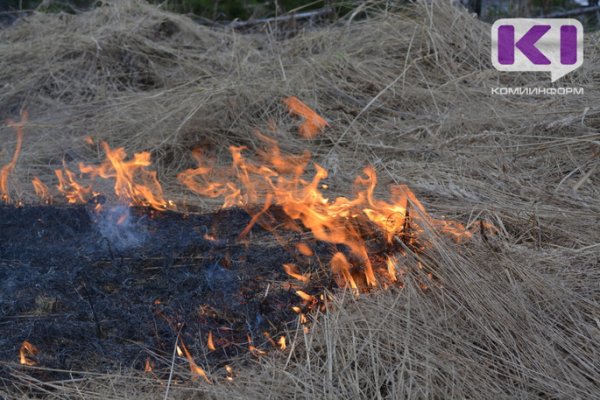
[407, 91]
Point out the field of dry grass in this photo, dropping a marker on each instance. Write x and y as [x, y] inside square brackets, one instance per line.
[407, 91]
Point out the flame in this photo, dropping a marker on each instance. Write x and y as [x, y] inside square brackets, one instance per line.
[313, 122]
[305, 296]
[292, 271]
[196, 370]
[210, 342]
[197, 181]
[229, 370]
[304, 249]
[269, 339]
[147, 365]
[391, 267]
[41, 190]
[7, 169]
[281, 342]
[133, 182]
[70, 188]
[27, 350]
[253, 349]
[278, 179]
[341, 271]
[272, 178]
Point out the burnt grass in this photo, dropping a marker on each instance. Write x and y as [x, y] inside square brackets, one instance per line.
[92, 300]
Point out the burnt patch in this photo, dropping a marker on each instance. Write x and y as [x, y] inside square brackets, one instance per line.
[87, 303]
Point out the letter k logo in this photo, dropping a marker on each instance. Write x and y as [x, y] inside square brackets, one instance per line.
[506, 44]
[554, 45]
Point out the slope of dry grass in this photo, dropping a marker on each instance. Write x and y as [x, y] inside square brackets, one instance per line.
[408, 91]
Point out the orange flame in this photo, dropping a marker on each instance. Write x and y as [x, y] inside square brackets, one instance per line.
[70, 188]
[304, 249]
[305, 296]
[41, 190]
[281, 342]
[341, 271]
[148, 365]
[27, 350]
[7, 169]
[313, 122]
[196, 370]
[253, 349]
[133, 182]
[292, 271]
[277, 179]
[210, 342]
[229, 371]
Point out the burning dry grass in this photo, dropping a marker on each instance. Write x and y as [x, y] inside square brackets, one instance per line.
[408, 92]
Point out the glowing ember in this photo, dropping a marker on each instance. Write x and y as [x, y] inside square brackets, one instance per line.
[27, 350]
[7, 169]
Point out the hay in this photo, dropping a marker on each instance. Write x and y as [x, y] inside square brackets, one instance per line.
[405, 90]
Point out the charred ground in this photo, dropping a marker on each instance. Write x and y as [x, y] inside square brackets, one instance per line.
[88, 305]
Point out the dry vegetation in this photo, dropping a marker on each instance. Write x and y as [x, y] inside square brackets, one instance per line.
[408, 91]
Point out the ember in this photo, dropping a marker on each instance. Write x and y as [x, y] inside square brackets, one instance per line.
[27, 351]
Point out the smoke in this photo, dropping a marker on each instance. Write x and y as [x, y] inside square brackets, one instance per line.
[119, 227]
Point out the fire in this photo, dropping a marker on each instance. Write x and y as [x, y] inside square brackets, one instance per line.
[148, 365]
[270, 178]
[196, 370]
[281, 342]
[70, 188]
[305, 296]
[341, 269]
[133, 182]
[313, 122]
[292, 271]
[210, 342]
[229, 371]
[304, 249]
[41, 190]
[7, 169]
[391, 268]
[255, 350]
[277, 179]
[27, 350]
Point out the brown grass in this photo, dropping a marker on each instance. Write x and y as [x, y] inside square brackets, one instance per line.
[408, 91]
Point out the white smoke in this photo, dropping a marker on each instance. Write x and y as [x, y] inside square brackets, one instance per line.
[121, 229]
